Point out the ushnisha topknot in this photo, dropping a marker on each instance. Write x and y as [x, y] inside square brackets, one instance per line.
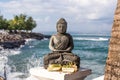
[62, 21]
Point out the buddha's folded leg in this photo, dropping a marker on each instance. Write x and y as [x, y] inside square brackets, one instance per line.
[72, 58]
[50, 59]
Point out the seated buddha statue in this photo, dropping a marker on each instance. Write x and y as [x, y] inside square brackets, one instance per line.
[61, 45]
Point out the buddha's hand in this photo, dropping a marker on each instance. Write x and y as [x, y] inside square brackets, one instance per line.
[61, 50]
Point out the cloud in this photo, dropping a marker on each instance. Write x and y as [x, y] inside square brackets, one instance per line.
[76, 12]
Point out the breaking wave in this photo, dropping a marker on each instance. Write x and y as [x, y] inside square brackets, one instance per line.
[10, 70]
[91, 39]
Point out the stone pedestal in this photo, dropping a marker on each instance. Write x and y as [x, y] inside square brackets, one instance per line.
[42, 74]
[99, 78]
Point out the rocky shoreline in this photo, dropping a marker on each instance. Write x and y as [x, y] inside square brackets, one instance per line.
[15, 40]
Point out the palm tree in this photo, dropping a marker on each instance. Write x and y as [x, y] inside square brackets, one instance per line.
[112, 69]
[21, 22]
[3, 23]
[30, 24]
[13, 24]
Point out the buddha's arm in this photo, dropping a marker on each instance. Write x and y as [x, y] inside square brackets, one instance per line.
[51, 44]
[71, 44]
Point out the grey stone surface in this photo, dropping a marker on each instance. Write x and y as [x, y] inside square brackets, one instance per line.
[42, 74]
[61, 45]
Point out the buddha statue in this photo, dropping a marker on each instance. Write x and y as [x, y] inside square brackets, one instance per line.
[61, 45]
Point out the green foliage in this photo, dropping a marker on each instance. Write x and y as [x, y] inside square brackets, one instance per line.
[3, 23]
[19, 22]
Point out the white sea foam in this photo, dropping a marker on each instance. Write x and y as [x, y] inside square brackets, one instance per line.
[84, 34]
[10, 51]
[91, 39]
[29, 40]
[45, 39]
[4, 67]
[31, 63]
[12, 75]
[15, 76]
[34, 62]
[3, 61]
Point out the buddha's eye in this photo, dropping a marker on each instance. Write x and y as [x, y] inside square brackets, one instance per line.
[60, 26]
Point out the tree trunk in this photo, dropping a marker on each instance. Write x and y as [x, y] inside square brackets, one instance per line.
[112, 69]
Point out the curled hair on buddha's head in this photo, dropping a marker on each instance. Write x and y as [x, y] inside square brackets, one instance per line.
[62, 21]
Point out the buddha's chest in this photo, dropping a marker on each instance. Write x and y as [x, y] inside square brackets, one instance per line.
[61, 39]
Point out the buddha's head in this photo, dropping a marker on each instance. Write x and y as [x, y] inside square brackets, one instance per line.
[61, 26]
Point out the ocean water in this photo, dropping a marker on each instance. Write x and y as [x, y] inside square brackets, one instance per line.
[92, 49]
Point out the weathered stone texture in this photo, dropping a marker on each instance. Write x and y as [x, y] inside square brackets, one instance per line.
[112, 70]
[61, 45]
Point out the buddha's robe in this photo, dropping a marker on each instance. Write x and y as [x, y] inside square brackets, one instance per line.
[63, 42]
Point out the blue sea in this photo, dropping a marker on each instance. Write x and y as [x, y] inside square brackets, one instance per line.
[92, 49]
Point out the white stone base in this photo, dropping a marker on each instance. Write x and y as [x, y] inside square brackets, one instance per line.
[42, 74]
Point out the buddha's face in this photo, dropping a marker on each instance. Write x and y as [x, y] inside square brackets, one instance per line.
[61, 28]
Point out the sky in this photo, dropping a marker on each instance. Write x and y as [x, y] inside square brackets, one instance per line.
[84, 16]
